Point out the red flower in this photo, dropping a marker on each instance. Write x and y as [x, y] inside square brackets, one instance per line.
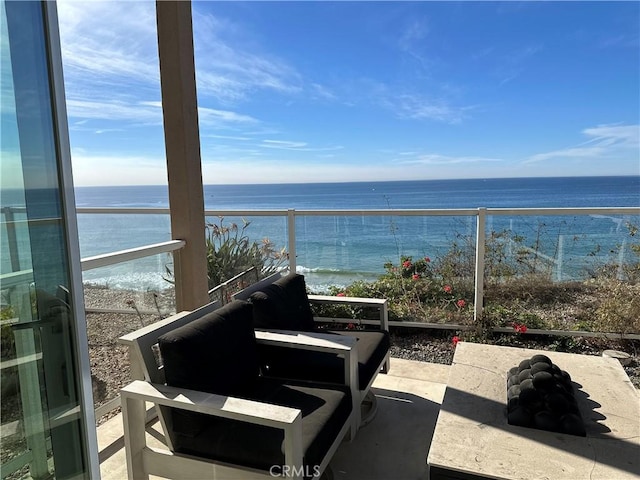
[406, 264]
[447, 288]
[341, 294]
[461, 303]
[427, 259]
[350, 326]
[415, 276]
[455, 340]
[519, 328]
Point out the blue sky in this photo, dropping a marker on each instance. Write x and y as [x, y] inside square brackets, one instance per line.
[339, 91]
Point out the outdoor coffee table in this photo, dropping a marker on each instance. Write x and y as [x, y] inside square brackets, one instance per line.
[472, 438]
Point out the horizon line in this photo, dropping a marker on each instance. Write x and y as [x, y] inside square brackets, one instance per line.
[370, 181]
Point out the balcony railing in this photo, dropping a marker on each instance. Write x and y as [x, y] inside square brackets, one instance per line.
[481, 215]
[289, 233]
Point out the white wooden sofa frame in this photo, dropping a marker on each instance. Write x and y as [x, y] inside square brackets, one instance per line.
[382, 304]
[149, 386]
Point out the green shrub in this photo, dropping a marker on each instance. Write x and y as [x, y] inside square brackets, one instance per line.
[230, 252]
[619, 311]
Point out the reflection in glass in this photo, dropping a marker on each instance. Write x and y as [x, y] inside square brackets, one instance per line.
[42, 426]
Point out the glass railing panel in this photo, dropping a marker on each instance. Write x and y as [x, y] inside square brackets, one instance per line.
[104, 233]
[424, 265]
[236, 244]
[120, 299]
[566, 272]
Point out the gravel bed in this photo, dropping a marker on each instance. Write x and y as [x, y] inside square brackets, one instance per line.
[437, 347]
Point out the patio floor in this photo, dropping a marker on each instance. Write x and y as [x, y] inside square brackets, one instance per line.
[394, 445]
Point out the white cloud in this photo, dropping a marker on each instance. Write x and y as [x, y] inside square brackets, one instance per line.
[105, 42]
[296, 146]
[221, 171]
[89, 170]
[436, 159]
[620, 135]
[229, 71]
[418, 107]
[408, 104]
[214, 117]
[414, 33]
[112, 70]
[320, 91]
[606, 141]
[117, 110]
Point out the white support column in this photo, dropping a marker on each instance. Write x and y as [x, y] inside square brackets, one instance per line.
[479, 280]
[182, 143]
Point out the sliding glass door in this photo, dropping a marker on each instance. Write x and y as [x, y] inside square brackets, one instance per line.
[47, 418]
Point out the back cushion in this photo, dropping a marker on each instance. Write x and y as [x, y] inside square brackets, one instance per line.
[284, 305]
[215, 353]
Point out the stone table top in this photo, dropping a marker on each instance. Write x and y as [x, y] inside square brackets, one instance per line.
[473, 439]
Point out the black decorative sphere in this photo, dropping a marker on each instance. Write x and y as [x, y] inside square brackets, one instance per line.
[540, 367]
[524, 374]
[541, 358]
[524, 364]
[540, 395]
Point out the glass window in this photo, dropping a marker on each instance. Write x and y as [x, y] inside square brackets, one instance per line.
[43, 431]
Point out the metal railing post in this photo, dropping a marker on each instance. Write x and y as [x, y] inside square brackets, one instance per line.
[479, 280]
[291, 234]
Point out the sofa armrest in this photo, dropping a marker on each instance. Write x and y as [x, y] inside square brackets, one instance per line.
[211, 404]
[138, 392]
[321, 342]
[326, 342]
[380, 303]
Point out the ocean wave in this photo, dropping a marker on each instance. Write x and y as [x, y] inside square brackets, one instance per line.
[144, 281]
[303, 269]
[335, 272]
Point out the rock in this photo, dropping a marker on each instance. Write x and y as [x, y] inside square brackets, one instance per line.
[622, 357]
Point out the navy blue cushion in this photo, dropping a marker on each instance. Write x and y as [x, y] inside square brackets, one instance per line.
[283, 305]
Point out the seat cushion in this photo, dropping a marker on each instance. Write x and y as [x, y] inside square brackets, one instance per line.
[215, 353]
[324, 412]
[373, 346]
[284, 304]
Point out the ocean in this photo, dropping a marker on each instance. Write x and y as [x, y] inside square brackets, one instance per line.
[336, 250]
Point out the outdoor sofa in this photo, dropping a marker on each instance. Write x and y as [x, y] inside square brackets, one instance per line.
[222, 416]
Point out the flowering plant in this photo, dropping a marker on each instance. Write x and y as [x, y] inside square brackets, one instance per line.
[519, 327]
[409, 268]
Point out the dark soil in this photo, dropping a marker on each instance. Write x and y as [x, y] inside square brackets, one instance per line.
[437, 346]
